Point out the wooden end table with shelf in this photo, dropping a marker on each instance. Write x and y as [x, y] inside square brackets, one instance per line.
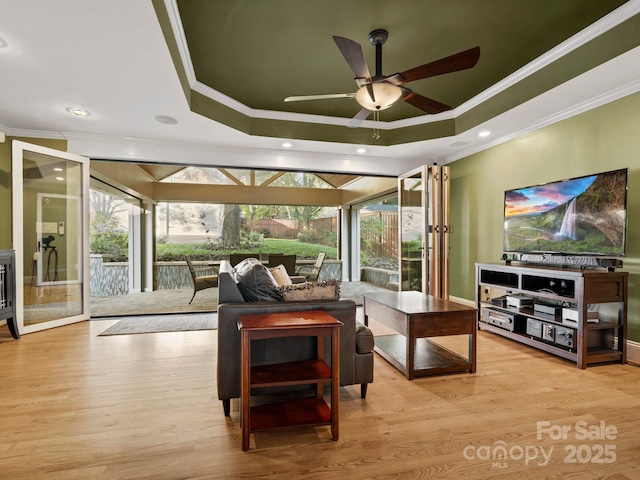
[308, 411]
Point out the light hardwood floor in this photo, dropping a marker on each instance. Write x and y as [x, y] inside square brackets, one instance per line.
[78, 406]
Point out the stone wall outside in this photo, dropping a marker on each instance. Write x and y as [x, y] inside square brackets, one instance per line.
[112, 278]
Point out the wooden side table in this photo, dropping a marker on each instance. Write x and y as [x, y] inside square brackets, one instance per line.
[301, 411]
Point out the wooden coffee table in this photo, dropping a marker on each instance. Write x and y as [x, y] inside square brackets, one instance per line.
[416, 316]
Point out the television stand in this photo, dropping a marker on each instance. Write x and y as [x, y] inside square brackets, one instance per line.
[576, 314]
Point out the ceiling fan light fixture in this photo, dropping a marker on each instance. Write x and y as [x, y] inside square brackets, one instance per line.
[384, 93]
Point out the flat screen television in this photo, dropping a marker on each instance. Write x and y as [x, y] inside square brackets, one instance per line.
[579, 216]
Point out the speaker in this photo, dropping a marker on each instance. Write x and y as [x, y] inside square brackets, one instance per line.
[609, 263]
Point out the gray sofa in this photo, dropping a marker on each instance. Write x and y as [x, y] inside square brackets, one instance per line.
[356, 340]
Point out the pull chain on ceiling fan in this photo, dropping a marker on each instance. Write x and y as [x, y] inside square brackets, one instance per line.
[381, 92]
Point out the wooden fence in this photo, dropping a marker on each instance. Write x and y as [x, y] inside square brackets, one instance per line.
[385, 244]
[276, 227]
[323, 230]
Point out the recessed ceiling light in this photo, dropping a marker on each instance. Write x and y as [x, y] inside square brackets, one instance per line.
[484, 133]
[287, 145]
[361, 150]
[57, 169]
[60, 178]
[78, 112]
[165, 119]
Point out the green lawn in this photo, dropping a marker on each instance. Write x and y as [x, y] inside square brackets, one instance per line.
[167, 252]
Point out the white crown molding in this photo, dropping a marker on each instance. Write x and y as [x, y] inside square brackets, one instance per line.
[310, 118]
[181, 39]
[18, 132]
[149, 150]
[595, 102]
[594, 30]
[616, 17]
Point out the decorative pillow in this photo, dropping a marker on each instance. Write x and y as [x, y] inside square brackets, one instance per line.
[325, 290]
[256, 282]
[280, 275]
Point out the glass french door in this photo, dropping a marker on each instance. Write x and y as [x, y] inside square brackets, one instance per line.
[50, 236]
[424, 230]
[412, 213]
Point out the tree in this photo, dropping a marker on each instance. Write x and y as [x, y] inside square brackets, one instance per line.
[371, 229]
[231, 226]
[107, 235]
[103, 202]
[173, 214]
[305, 214]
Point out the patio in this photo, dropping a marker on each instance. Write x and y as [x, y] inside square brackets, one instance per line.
[177, 300]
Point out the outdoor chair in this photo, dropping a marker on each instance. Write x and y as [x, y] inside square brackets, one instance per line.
[200, 282]
[289, 262]
[312, 276]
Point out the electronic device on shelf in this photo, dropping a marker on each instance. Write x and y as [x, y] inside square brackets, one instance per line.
[547, 309]
[519, 301]
[570, 316]
[499, 301]
[499, 319]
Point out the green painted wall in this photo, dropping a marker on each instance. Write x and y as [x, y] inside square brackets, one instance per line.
[5, 195]
[606, 138]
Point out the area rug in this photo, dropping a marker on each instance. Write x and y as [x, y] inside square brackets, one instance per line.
[163, 323]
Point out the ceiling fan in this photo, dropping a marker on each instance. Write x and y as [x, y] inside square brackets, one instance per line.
[381, 91]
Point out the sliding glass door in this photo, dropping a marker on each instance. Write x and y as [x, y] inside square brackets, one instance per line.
[50, 236]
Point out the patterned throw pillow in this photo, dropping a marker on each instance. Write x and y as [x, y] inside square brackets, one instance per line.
[280, 275]
[300, 292]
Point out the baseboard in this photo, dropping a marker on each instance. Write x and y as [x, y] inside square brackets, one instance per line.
[633, 352]
[463, 301]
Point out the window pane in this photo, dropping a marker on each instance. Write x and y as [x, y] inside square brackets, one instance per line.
[300, 180]
[199, 175]
[188, 222]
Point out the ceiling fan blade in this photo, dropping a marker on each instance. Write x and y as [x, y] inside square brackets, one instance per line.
[453, 63]
[352, 53]
[301, 98]
[360, 117]
[426, 104]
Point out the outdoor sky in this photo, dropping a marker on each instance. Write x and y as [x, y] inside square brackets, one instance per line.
[540, 198]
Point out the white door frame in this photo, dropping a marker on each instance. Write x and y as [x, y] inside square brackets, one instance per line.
[18, 150]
